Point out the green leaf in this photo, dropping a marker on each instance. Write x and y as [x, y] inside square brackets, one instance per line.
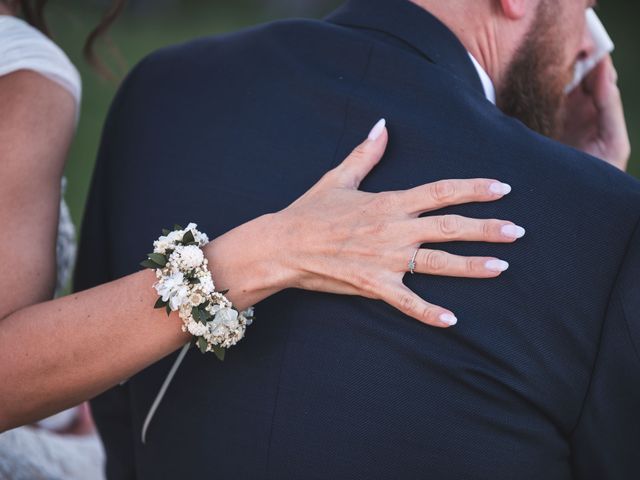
[224, 292]
[168, 309]
[195, 280]
[219, 351]
[160, 303]
[188, 238]
[177, 227]
[165, 232]
[207, 316]
[158, 259]
[202, 344]
[150, 264]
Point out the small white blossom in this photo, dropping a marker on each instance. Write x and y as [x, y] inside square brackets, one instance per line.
[196, 299]
[206, 285]
[173, 289]
[179, 297]
[187, 258]
[197, 329]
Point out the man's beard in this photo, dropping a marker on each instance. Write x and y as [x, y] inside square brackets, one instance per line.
[534, 87]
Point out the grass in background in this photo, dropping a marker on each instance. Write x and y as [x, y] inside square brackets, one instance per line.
[143, 30]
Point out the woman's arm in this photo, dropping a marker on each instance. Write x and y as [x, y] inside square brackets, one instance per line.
[56, 354]
[36, 129]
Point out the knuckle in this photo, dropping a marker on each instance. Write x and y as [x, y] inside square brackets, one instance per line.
[488, 229]
[359, 152]
[407, 303]
[368, 284]
[449, 225]
[435, 261]
[385, 202]
[430, 315]
[443, 190]
[376, 229]
[480, 188]
[330, 176]
[471, 266]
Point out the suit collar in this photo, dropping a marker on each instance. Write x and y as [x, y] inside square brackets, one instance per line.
[414, 26]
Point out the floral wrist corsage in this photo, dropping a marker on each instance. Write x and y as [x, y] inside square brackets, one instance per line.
[185, 285]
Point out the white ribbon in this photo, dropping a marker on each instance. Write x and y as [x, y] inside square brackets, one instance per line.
[163, 390]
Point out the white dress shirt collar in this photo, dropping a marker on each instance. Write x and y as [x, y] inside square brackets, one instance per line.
[487, 84]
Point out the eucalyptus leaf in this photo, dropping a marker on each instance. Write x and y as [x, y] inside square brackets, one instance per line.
[202, 344]
[206, 315]
[188, 238]
[219, 351]
[224, 292]
[168, 309]
[160, 303]
[150, 264]
[165, 232]
[158, 259]
[177, 227]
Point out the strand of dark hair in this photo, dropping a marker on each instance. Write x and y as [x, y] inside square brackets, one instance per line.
[33, 12]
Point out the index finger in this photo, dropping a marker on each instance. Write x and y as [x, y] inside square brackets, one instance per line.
[444, 193]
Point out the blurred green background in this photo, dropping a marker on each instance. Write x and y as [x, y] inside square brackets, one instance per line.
[150, 24]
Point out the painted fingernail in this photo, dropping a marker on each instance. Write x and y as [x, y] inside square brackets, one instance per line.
[497, 266]
[513, 231]
[377, 129]
[500, 188]
[448, 319]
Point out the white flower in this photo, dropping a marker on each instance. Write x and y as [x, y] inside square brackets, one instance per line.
[229, 318]
[200, 238]
[178, 297]
[187, 258]
[173, 289]
[206, 284]
[196, 299]
[248, 315]
[174, 237]
[166, 286]
[161, 246]
[197, 329]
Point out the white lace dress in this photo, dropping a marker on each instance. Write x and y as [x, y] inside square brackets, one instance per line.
[28, 453]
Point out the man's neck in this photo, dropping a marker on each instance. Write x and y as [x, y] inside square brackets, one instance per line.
[475, 23]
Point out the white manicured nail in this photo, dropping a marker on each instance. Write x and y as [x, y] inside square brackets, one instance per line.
[500, 188]
[513, 231]
[497, 266]
[377, 129]
[448, 319]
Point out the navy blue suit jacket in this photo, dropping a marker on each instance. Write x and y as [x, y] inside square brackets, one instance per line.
[539, 380]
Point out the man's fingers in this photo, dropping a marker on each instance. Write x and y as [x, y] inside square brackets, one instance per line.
[403, 299]
[437, 195]
[351, 172]
[612, 127]
[454, 228]
[436, 262]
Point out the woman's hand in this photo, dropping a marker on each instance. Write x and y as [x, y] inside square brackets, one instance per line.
[338, 239]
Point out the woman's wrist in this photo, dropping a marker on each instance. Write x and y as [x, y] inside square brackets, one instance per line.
[244, 261]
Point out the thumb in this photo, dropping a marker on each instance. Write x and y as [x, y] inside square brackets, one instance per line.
[364, 157]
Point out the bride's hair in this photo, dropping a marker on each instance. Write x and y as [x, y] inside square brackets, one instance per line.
[33, 12]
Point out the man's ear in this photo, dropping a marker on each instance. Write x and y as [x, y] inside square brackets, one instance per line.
[516, 9]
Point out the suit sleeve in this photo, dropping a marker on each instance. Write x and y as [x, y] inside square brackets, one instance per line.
[606, 440]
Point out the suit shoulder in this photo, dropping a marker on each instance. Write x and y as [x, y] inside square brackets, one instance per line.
[561, 167]
[257, 44]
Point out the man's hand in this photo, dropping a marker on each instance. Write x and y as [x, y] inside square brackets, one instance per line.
[594, 117]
